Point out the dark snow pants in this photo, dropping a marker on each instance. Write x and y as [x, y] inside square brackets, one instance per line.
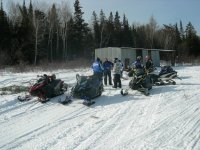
[107, 75]
[99, 75]
[117, 81]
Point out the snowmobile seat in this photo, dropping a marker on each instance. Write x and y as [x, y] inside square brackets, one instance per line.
[139, 72]
[166, 69]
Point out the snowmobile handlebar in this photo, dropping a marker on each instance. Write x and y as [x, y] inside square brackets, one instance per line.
[44, 76]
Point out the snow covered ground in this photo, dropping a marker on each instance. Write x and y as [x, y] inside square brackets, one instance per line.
[167, 119]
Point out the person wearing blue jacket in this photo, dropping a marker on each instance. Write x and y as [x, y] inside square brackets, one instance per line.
[138, 66]
[98, 69]
[107, 65]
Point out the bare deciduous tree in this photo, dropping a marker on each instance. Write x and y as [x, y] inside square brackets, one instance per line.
[52, 22]
[151, 28]
[65, 14]
[13, 11]
[39, 23]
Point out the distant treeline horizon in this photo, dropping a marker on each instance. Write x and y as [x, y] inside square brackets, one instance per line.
[31, 35]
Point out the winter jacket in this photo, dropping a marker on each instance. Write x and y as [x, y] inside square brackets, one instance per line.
[122, 66]
[97, 67]
[149, 64]
[107, 65]
[117, 68]
[138, 64]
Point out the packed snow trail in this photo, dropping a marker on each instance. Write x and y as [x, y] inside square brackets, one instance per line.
[167, 119]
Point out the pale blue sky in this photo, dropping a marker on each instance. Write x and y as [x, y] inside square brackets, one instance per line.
[140, 11]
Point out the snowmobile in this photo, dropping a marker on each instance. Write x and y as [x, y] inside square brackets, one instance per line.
[164, 77]
[87, 88]
[140, 81]
[45, 88]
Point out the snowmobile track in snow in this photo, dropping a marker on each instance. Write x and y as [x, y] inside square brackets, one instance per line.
[167, 119]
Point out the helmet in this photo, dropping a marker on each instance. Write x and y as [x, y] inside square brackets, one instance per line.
[115, 60]
[98, 59]
[148, 57]
[53, 76]
[139, 57]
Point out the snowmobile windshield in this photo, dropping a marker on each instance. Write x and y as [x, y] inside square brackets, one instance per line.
[166, 69]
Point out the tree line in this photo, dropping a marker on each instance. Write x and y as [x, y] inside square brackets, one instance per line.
[31, 35]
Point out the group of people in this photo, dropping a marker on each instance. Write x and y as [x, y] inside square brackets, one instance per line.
[103, 69]
[139, 65]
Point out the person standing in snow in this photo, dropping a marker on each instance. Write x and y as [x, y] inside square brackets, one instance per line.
[117, 73]
[149, 64]
[138, 66]
[98, 69]
[107, 65]
[122, 68]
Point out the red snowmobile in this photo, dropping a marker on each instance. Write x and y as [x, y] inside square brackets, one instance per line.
[46, 87]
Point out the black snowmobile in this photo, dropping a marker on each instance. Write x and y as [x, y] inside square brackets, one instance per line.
[140, 81]
[164, 77]
[87, 88]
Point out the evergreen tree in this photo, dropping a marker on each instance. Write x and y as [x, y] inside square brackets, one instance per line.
[126, 33]
[26, 37]
[52, 21]
[80, 28]
[117, 30]
[30, 11]
[178, 41]
[96, 29]
[5, 36]
[110, 27]
[133, 35]
[177, 37]
[192, 40]
[71, 38]
[182, 31]
[140, 36]
[4, 28]
[102, 19]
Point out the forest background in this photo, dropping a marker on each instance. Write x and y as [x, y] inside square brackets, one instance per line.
[30, 35]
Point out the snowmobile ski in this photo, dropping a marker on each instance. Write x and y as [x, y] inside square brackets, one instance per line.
[144, 91]
[24, 98]
[67, 100]
[44, 100]
[88, 103]
[160, 83]
[124, 92]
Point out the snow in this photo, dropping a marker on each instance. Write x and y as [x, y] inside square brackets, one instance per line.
[168, 119]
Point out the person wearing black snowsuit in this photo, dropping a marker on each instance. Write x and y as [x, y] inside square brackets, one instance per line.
[149, 64]
[117, 73]
[98, 69]
[107, 65]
